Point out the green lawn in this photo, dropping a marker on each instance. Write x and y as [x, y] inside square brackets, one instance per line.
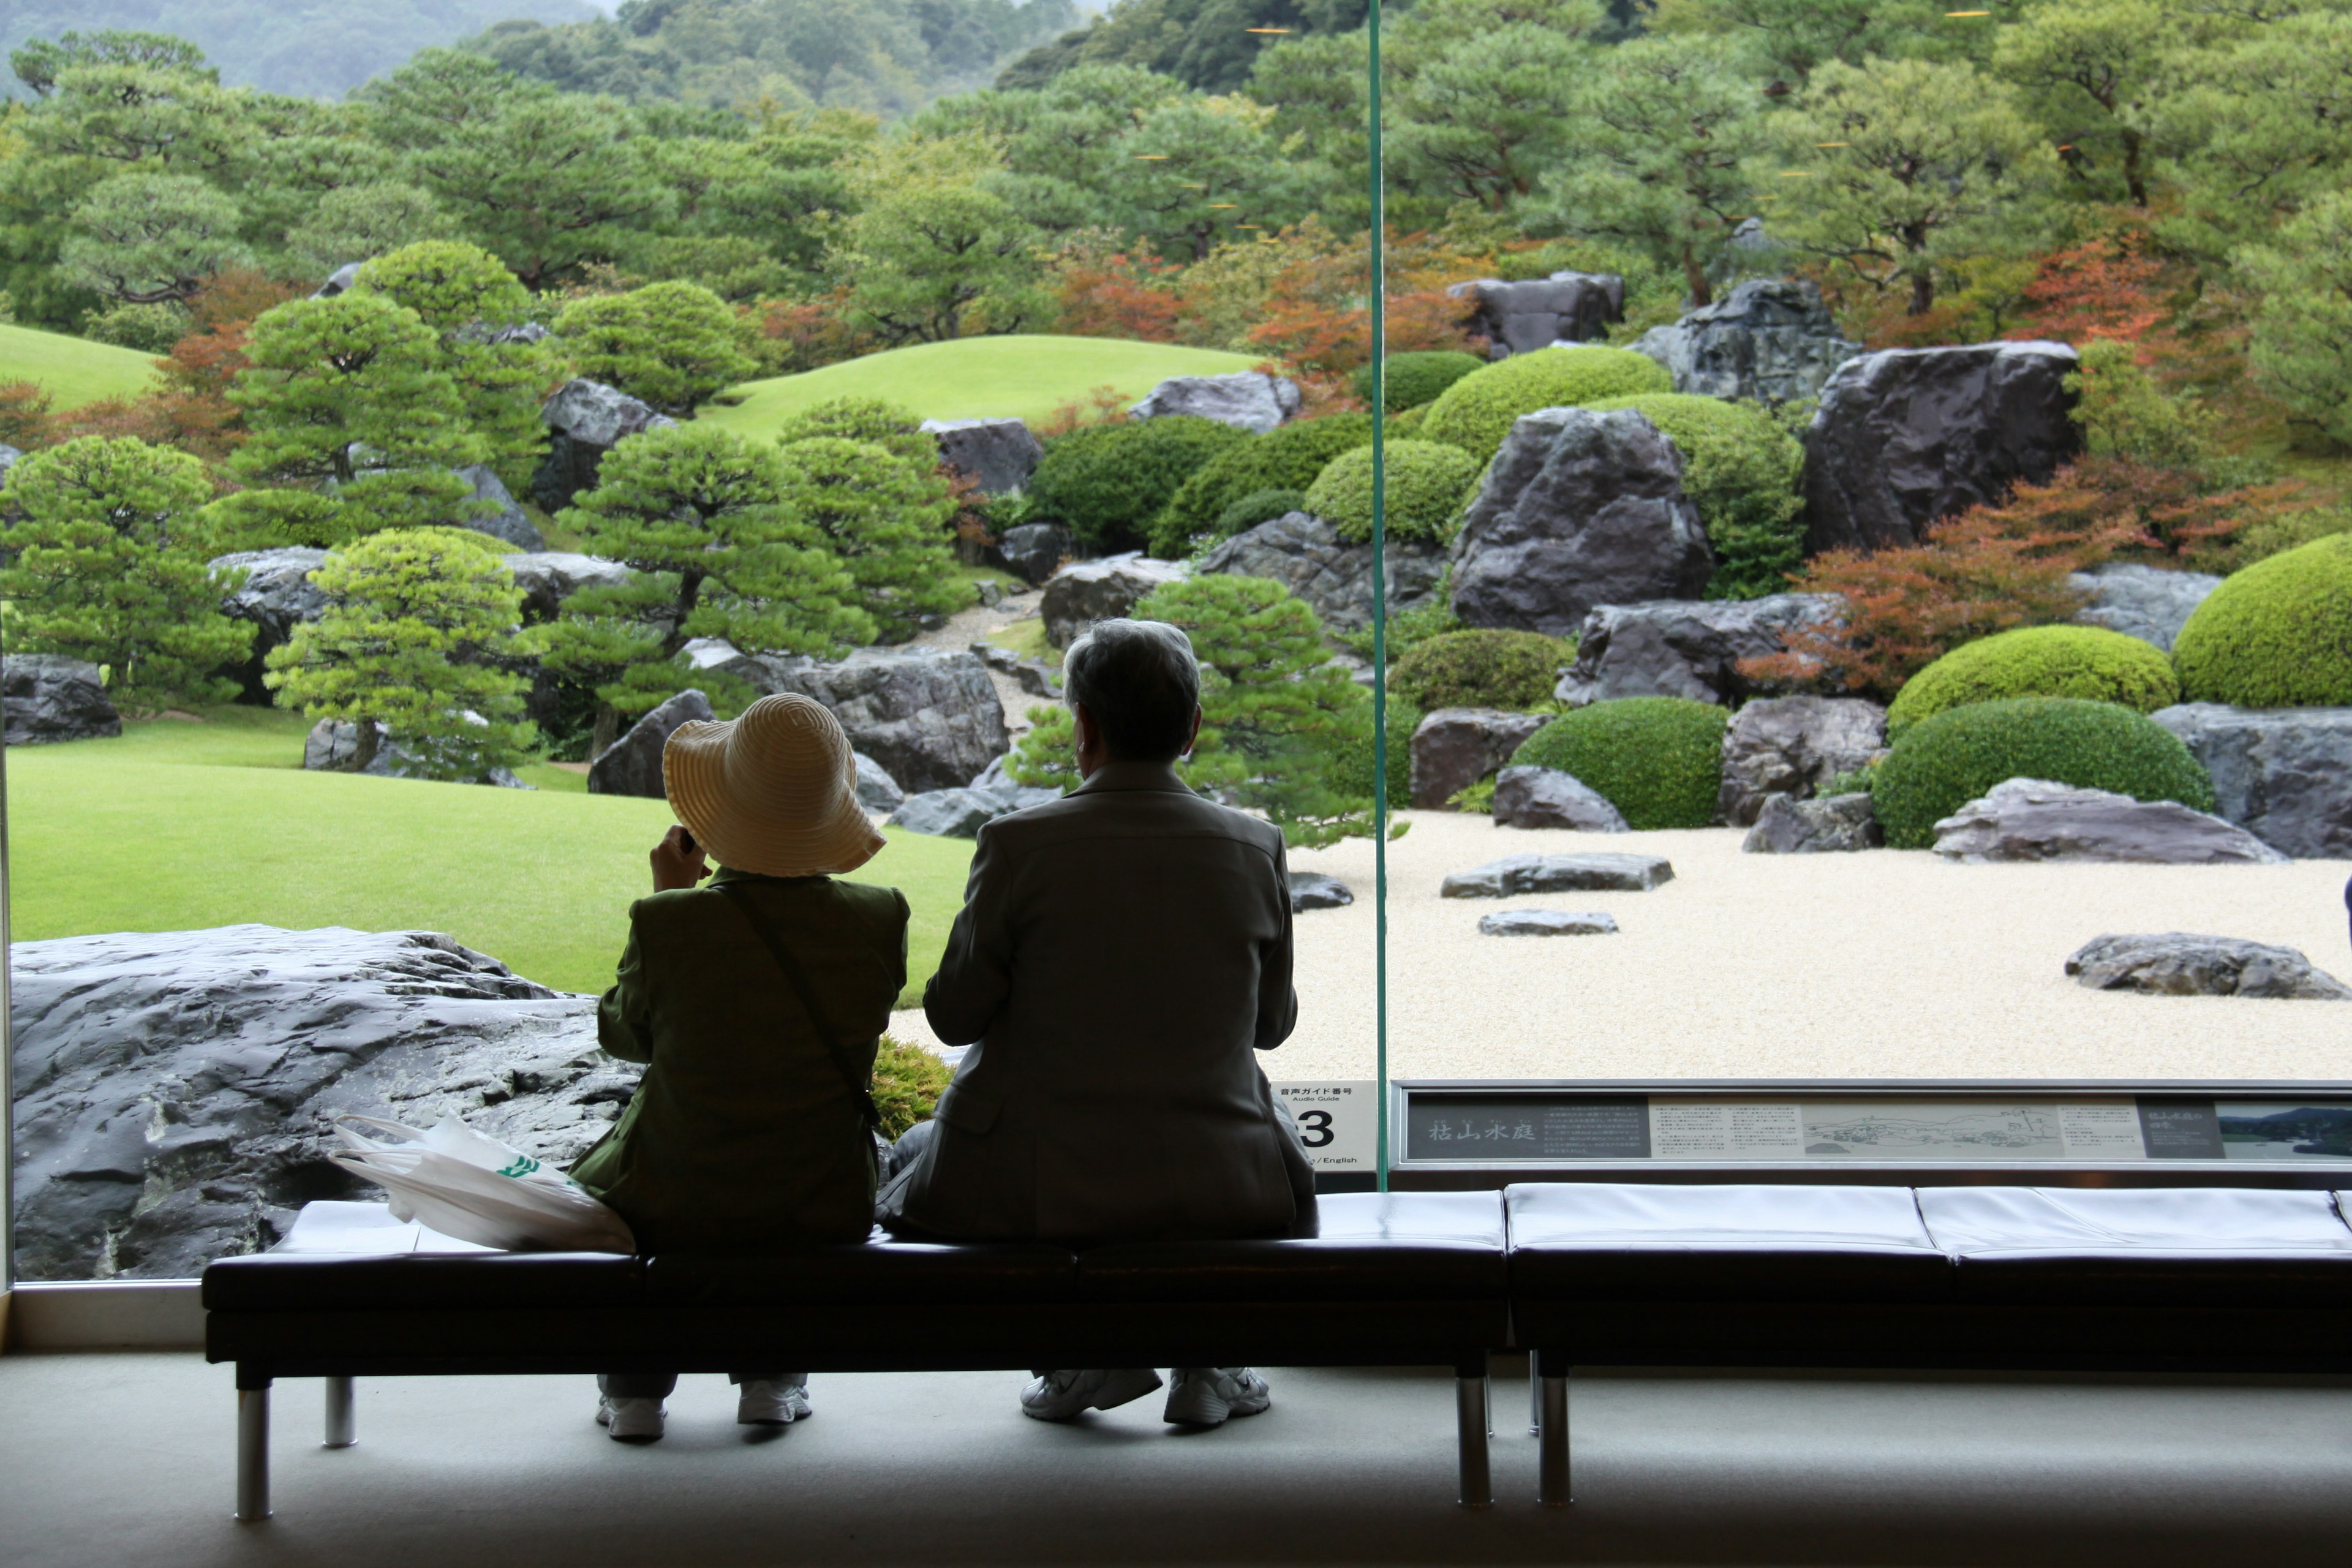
[72, 370]
[178, 825]
[1014, 377]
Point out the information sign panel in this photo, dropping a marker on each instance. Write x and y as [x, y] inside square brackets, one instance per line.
[1339, 1122]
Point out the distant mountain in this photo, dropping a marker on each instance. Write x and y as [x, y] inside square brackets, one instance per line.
[306, 47]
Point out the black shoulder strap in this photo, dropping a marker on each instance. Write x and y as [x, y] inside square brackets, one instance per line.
[834, 1046]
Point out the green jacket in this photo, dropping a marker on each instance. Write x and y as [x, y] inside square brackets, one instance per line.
[743, 1136]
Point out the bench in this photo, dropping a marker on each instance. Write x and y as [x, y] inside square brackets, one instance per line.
[2014, 1278]
[1385, 1279]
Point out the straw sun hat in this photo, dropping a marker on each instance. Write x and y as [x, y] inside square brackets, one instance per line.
[773, 792]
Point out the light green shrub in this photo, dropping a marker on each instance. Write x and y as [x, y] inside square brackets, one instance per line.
[1487, 669]
[1426, 481]
[1417, 378]
[2088, 662]
[1476, 412]
[2277, 633]
[1658, 760]
[1740, 468]
[1287, 458]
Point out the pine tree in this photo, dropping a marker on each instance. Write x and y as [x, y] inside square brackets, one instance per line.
[672, 344]
[469, 300]
[109, 566]
[885, 520]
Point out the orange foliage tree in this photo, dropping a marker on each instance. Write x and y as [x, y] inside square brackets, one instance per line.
[1118, 294]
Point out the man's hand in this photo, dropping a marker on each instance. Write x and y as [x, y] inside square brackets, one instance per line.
[677, 862]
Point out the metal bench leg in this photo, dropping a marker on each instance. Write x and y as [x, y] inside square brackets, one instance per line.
[1487, 1403]
[1551, 1463]
[1470, 1423]
[252, 1448]
[342, 1424]
[1535, 1396]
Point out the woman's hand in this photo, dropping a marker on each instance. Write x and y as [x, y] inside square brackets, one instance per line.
[677, 862]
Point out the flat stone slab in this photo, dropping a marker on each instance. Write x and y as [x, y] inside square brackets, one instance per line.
[2034, 819]
[1546, 923]
[1314, 890]
[1598, 873]
[2175, 963]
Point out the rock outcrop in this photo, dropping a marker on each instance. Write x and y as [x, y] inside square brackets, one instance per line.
[2033, 819]
[931, 717]
[2144, 602]
[633, 764]
[1683, 647]
[499, 516]
[998, 454]
[1454, 748]
[1245, 399]
[585, 419]
[1905, 437]
[2284, 775]
[1547, 797]
[1306, 555]
[547, 577]
[1790, 745]
[1577, 511]
[1770, 340]
[963, 813]
[1520, 317]
[1089, 591]
[1034, 550]
[2175, 964]
[333, 746]
[876, 790]
[1517, 874]
[48, 697]
[1546, 923]
[175, 1089]
[338, 281]
[276, 595]
[9, 457]
[1832, 824]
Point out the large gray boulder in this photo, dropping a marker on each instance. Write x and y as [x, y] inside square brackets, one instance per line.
[1517, 874]
[2033, 819]
[2175, 963]
[48, 697]
[276, 595]
[1682, 648]
[2145, 602]
[585, 419]
[963, 813]
[1790, 745]
[1245, 399]
[876, 790]
[1770, 340]
[1033, 551]
[1578, 510]
[998, 454]
[929, 717]
[341, 280]
[547, 577]
[1905, 437]
[175, 1090]
[1834, 825]
[1306, 555]
[333, 746]
[2284, 775]
[9, 457]
[498, 515]
[1520, 317]
[1314, 890]
[1547, 797]
[633, 764]
[1088, 591]
[1454, 748]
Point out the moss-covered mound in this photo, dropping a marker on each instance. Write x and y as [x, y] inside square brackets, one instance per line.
[1476, 412]
[1740, 468]
[1426, 481]
[1481, 669]
[2089, 662]
[1942, 763]
[1658, 760]
[2276, 635]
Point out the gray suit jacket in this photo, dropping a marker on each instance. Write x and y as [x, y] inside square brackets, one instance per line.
[1122, 954]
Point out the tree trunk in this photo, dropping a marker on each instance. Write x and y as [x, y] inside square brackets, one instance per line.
[364, 739]
[606, 731]
[1923, 293]
[2135, 180]
[1695, 276]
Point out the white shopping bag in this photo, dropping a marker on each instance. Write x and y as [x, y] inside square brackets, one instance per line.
[457, 1182]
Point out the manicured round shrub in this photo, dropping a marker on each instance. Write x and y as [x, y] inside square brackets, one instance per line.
[2089, 662]
[1481, 669]
[1425, 483]
[2277, 633]
[1350, 772]
[1740, 468]
[1287, 458]
[1107, 483]
[1658, 760]
[1258, 506]
[1416, 378]
[1476, 412]
[1942, 763]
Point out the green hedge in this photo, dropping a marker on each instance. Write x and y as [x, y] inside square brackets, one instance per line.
[1417, 378]
[1107, 482]
[1942, 763]
[1426, 481]
[1476, 412]
[2089, 662]
[1287, 458]
[2276, 635]
[1258, 506]
[1507, 669]
[1740, 468]
[1658, 760]
[1352, 757]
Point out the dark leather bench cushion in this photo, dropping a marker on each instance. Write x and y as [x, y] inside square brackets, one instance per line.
[1394, 1247]
[883, 1272]
[1591, 1240]
[326, 1281]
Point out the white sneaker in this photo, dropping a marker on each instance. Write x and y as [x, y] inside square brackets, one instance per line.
[1058, 1395]
[630, 1420]
[773, 1401]
[1205, 1395]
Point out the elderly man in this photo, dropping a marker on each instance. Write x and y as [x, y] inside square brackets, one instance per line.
[1122, 954]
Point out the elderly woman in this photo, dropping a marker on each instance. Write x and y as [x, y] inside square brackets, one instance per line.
[755, 1004]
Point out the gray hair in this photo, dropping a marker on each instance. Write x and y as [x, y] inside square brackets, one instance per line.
[1139, 681]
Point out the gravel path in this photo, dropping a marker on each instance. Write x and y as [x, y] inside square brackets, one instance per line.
[1889, 964]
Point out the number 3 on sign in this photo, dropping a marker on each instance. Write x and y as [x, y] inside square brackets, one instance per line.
[1339, 1122]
